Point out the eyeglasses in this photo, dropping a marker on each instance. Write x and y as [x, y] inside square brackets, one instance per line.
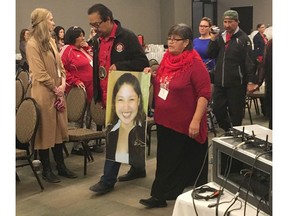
[175, 39]
[96, 24]
[203, 26]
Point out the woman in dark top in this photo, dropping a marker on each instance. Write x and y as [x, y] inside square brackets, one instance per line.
[60, 35]
[24, 36]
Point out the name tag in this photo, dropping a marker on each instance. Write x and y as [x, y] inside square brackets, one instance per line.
[163, 93]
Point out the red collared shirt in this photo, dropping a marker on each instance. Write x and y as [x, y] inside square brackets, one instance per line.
[105, 59]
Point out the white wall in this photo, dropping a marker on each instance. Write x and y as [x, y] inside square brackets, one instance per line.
[151, 18]
[173, 12]
[140, 16]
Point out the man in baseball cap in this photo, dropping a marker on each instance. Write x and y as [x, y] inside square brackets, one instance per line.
[231, 14]
[230, 21]
[234, 73]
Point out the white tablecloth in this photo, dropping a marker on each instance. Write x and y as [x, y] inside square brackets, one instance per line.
[184, 205]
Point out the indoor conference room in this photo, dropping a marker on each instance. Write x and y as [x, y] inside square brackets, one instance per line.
[155, 107]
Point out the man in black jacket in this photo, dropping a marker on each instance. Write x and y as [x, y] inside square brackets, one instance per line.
[115, 48]
[235, 71]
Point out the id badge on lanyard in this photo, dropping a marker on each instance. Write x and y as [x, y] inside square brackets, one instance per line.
[164, 88]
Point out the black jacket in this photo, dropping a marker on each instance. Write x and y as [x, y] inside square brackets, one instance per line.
[259, 45]
[136, 148]
[234, 64]
[126, 53]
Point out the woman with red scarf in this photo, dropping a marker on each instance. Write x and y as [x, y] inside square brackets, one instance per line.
[181, 92]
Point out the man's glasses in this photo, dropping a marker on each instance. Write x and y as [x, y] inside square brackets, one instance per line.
[96, 24]
[175, 39]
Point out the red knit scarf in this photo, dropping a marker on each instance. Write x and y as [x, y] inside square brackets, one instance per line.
[172, 66]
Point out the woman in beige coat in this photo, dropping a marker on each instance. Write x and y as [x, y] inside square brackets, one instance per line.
[48, 85]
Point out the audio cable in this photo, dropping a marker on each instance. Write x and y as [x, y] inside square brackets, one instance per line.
[195, 183]
[226, 175]
[247, 191]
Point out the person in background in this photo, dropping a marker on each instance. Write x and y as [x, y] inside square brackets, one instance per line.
[201, 43]
[268, 68]
[126, 132]
[48, 86]
[92, 34]
[60, 35]
[78, 63]
[24, 36]
[182, 132]
[260, 41]
[119, 49]
[234, 74]
[265, 73]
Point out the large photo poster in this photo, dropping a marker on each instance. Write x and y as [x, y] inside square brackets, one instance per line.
[126, 114]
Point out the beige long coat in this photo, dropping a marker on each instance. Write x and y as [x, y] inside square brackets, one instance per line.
[45, 76]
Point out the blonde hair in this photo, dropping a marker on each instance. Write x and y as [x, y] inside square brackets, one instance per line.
[39, 29]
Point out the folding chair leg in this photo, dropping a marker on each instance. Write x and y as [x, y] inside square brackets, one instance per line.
[212, 123]
[36, 154]
[36, 175]
[249, 112]
[17, 178]
[65, 150]
[149, 139]
[87, 155]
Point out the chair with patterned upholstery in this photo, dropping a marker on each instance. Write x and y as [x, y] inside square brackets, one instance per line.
[24, 77]
[76, 106]
[28, 91]
[19, 92]
[153, 62]
[98, 115]
[27, 118]
[150, 118]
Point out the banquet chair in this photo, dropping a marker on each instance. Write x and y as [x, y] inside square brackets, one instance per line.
[76, 106]
[98, 116]
[153, 62]
[248, 107]
[150, 120]
[27, 119]
[210, 117]
[24, 77]
[28, 91]
[19, 92]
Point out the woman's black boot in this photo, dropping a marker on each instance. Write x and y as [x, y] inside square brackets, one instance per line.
[47, 173]
[59, 159]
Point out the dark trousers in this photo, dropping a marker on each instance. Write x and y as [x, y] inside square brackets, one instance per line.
[179, 161]
[228, 105]
[111, 170]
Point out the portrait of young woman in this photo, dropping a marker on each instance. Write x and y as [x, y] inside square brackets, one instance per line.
[126, 127]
